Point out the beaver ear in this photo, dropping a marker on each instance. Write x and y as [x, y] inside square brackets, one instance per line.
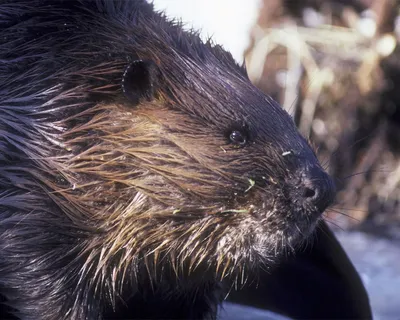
[141, 80]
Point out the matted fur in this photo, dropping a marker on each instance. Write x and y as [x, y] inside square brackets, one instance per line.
[99, 197]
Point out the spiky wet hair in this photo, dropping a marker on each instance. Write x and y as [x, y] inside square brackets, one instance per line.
[134, 158]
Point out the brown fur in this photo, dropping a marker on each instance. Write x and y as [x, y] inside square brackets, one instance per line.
[97, 193]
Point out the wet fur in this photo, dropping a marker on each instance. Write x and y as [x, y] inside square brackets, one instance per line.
[104, 202]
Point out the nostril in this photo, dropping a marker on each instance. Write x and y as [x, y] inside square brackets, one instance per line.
[315, 190]
[309, 193]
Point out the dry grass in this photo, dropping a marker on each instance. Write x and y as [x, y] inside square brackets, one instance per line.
[335, 78]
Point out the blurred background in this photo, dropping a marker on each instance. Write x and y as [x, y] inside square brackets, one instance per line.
[334, 65]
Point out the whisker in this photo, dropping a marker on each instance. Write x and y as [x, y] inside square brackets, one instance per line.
[329, 235]
[334, 154]
[368, 171]
[347, 209]
[344, 214]
[327, 220]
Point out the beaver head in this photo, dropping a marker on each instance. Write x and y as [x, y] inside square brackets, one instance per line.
[129, 143]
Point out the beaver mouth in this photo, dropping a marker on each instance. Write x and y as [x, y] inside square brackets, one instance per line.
[280, 214]
[270, 211]
[300, 199]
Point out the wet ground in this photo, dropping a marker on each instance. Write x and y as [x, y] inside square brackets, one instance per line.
[378, 262]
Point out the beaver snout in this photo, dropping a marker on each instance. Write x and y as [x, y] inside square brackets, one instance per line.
[314, 191]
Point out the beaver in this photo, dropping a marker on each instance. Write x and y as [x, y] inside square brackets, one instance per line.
[142, 175]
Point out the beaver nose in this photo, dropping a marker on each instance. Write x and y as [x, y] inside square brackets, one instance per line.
[314, 190]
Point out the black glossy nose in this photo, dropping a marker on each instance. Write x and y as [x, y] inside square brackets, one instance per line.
[315, 190]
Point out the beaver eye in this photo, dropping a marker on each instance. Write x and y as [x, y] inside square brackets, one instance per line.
[238, 138]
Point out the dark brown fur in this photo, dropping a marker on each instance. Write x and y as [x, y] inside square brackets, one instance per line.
[104, 202]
